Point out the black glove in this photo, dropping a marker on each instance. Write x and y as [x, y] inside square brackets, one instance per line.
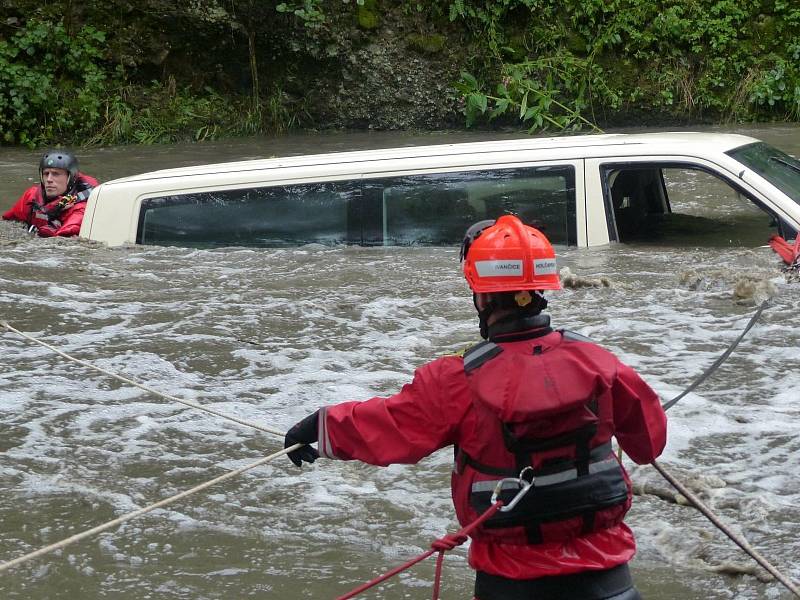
[303, 432]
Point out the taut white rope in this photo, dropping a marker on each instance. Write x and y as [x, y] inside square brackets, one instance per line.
[737, 539]
[136, 513]
[144, 387]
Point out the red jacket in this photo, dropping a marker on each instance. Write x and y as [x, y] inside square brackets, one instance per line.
[437, 410]
[66, 222]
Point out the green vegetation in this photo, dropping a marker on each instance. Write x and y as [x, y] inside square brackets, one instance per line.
[368, 14]
[51, 83]
[111, 72]
[557, 60]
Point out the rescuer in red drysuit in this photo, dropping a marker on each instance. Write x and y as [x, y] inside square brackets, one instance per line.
[531, 404]
[55, 207]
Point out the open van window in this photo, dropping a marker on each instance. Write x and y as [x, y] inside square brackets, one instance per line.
[677, 204]
[637, 199]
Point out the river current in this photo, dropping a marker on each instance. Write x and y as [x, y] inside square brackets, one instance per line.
[271, 335]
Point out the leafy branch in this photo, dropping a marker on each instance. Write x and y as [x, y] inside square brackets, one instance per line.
[543, 93]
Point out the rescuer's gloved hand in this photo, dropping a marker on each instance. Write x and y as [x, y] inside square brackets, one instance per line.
[303, 432]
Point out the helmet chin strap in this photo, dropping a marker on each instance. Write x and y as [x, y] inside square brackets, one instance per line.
[484, 314]
[534, 307]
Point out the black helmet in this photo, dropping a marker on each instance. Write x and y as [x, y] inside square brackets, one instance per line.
[58, 158]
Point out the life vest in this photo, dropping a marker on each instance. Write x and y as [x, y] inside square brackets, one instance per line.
[48, 212]
[548, 414]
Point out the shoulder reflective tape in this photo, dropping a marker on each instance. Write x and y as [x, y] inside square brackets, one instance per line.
[544, 266]
[499, 268]
[479, 354]
[84, 195]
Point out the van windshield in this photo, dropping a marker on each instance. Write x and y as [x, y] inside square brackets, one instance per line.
[777, 167]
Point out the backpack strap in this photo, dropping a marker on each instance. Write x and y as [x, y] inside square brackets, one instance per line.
[479, 354]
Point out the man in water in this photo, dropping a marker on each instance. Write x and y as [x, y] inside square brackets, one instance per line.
[56, 205]
[533, 406]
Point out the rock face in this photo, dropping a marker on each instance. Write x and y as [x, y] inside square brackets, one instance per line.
[389, 76]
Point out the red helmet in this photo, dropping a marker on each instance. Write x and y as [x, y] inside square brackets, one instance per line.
[508, 256]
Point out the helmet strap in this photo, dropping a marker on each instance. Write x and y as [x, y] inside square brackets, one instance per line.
[536, 304]
[484, 314]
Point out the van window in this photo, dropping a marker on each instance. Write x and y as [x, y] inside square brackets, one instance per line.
[676, 204]
[405, 210]
[278, 216]
[702, 204]
[437, 209]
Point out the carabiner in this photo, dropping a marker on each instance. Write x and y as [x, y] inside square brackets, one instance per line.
[524, 484]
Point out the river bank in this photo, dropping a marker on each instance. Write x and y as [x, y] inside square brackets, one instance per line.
[199, 70]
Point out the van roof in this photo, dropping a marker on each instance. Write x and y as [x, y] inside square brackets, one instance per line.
[594, 145]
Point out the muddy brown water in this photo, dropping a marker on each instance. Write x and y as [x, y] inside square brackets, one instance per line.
[270, 335]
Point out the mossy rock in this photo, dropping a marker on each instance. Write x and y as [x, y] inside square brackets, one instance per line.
[426, 43]
[367, 14]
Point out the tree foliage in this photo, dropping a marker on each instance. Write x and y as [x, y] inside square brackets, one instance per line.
[51, 84]
[116, 71]
[153, 70]
[723, 59]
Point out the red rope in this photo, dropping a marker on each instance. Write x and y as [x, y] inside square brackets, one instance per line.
[442, 545]
[438, 577]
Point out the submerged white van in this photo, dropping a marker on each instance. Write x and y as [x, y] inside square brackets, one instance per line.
[581, 190]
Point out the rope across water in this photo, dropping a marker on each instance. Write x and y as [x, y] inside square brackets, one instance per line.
[166, 501]
[722, 358]
[141, 386]
[694, 500]
[137, 513]
[737, 539]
